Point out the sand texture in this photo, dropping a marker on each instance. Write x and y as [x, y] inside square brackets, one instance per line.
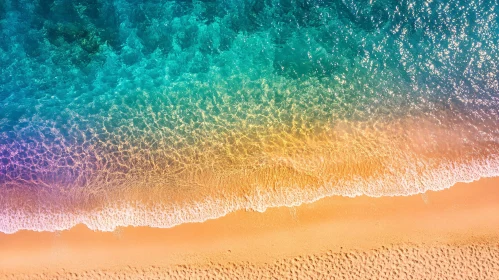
[450, 234]
[394, 262]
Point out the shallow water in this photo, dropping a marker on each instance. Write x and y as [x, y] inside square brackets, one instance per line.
[156, 113]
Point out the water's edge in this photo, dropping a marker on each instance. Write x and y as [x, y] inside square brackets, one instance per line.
[109, 219]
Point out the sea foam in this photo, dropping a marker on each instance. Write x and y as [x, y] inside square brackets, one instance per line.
[117, 114]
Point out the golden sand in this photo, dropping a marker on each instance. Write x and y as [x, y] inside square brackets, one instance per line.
[450, 234]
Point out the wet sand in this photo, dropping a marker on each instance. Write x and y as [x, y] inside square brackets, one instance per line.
[451, 234]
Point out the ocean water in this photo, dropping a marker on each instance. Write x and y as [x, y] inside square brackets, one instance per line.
[157, 113]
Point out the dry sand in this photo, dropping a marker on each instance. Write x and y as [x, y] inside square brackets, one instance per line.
[451, 234]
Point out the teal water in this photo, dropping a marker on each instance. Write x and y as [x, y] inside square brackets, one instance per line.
[116, 113]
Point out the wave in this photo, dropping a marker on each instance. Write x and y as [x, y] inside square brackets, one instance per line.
[163, 215]
[117, 114]
[353, 159]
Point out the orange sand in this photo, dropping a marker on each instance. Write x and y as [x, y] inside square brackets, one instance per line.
[451, 234]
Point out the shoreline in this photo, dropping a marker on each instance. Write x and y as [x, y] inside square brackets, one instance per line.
[459, 217]
[158, 215]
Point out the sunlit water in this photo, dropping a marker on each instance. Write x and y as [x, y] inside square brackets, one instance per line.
[157, 113]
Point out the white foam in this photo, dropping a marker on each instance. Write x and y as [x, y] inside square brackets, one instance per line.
[166, 216]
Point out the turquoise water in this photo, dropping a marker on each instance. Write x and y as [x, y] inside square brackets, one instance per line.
[116, 113]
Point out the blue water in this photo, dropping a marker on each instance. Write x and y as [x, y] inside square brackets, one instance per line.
[113, 105]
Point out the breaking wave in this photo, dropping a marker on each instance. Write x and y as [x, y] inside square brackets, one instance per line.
[158, 113]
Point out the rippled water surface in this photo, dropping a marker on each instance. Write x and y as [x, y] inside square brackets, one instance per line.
[156, 113]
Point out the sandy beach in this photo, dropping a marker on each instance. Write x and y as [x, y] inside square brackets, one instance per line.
[249, 139]
[451, 234]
